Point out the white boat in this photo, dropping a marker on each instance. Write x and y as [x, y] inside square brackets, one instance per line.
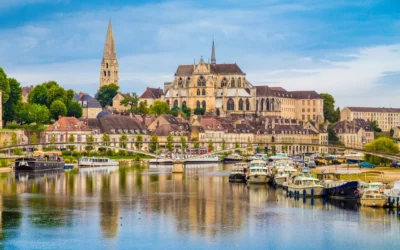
[306, 185]
[160, 161]
[373, 198]
[233, 158]
[257, 172]
[238, 173]
[98, 170]
[258, 156]
[93, 162]
[363, 186]
[279, 156]
[393, 192]
[282, 175]
[202, 159]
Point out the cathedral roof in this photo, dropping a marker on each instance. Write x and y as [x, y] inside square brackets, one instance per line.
[281, 92]
[187, 70]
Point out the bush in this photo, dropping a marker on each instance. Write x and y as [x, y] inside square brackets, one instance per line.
[4, 163]
[110, 152]
[18, 151]
[123, 153]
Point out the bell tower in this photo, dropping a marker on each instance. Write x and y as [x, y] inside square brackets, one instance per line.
[109, 65]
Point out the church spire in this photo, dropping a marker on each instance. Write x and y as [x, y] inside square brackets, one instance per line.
[213, 59]
[109, 47]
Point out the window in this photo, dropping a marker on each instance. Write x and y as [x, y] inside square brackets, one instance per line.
[198, 104]
[168, 102]
[203, 92]
[105, 73]
[303, 102]
[203, 104]
[231, 104]
[176, 103]
[79, 138]
[313, 109]
[198, 92]
[313, 102]
[201, 82]
[187, 81]
[224, 82]
[247, 104]
[308, 102]
[233, 83]
[107, 65]
[303, 117]
[239, 82]
[180, 81]
[240, 104]
[108, 73]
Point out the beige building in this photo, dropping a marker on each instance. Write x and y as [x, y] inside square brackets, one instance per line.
[117, 102]
[25, 93]
[354, 134]
[150, 95]
[109, 64]
[387, 118]
[90, 106]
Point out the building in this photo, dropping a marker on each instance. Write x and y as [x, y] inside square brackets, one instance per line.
[354, 134]
[150, 95]
[25, 93]
[109, 71]
[90, 106]
[117, 102]
[386, 118]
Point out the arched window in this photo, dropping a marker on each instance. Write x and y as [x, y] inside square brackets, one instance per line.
[218, 112]
[247, 104]
[233, 83]
[176, 103]
[268, 104]
[224, 82]
[198, 104]
[107, 65]
[201, 82]
[105, 73]
[108, 73]
[240, 104]
[239, 82]
[231, 104]
[203, 104]
[184, 104]
[272, 104]
[198, 92]
[180, 81]
[203, 92]
[262, 104]
[187, 81]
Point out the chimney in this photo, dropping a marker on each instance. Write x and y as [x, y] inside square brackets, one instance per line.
[81, 94]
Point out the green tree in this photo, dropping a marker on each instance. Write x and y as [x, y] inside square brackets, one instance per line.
[123, 141]
[74, 109]
[210, 145]
[13, 104]
[170, 143]
[139, 142]
[153, 144]
[90, 141]
[14, 139]
[55, 92]
[143, 109]
[186, 110]
[223, 144]
[57, 108]
[34, 139]
[39, 95]
[159, 108]
[71, 139]
[332, 137]
[199, 111]
[132, 102]
[330, 113]
[374, 126]
[106, 94]
[196, 143]
[4, 86]
[249, 146]
[39, 113]
[382, 145]
[106, 141]
[23, 114]
[5, 143]
[53, 139]
[237, 145]
[184, 144]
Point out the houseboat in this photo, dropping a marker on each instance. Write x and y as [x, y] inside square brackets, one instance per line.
[373, 198]
[306, 185]
[258, 173]
[235, 157]
[238, 174]
[93, 162]
[336, 188]
[40, 161]
[282, 175]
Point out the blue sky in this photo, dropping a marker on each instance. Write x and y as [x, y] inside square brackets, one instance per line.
[350, 49]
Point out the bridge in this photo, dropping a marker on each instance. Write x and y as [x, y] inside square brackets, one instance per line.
[178, 163]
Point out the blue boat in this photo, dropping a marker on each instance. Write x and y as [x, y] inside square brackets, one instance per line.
[338, 189]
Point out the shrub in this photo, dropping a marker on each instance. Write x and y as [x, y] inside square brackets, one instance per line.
[4, 163]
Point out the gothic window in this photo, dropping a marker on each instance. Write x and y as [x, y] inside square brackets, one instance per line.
[233, 83]
[105, 73]
[203, 104]
[224, 82]
[201, 82]
[176, 103]
[180, 81]
[198, 104]
[240, 104]
[247, 104]
[262, 104]
[272, 104]
[107, 65]
[184, 104]
[231, 104]
[239, 83]
[203, 92]
[187, 81]
[268, 106]
[108, 73]
[198, 92]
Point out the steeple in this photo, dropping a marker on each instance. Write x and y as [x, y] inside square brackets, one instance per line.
[109, 65]
[213, 59]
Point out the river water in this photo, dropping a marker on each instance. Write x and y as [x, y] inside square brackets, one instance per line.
[146, 207]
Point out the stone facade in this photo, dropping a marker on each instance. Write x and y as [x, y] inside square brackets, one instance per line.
[117, 102]
[354, 134]
[109, 72]
[90, 106]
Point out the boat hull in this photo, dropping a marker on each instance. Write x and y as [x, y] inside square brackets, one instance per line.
[30, 164]
[258, 179]
[279, 180]
[237, 178]
[232, 160]
[97, 166]
[371, 202]
[346, 191]
[309, 191]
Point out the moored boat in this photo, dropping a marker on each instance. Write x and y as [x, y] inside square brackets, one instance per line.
[306, 185]
[373, 198]
[93, 162]
[257, 173]
[40, 161]
[282, 175]
[336, 188]
[68, 167]
[233, 158]
[238, 174]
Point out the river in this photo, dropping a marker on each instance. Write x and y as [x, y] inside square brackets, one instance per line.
[148, 207]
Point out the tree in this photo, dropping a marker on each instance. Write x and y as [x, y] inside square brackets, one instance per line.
[142, 109]
[159, 108]
[210, 145]
[139, 142]
[237, 145]
[14, 140]
[332, 137]
[4, 86]
[249, 146]
[330, 113]
[106, 94]
[34, 139]
[52, 141]
[39, 95]
[196, 143]
[186, 110]
[199, 111]
[57, 108]
[184, 144]
[131, 101]
[374, 126]
[74, 109]
[123, 141]
[5, 143]
[382, 145]
[153, 144]
[90, 141]
[71, 139]
[170, 143]
[13, 104]
[105, 139]
[223, 144]
[39, 113]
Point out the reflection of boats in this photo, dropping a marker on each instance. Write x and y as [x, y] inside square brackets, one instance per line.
[68, 167]
[338, 189]
[40, 161]
[98, 170]
[25, 176]
[160, 161]
[306, 185]
[344, 204]
[94, 162]
[233, 158]
[373, 198]
[238, 173]
[257, 172]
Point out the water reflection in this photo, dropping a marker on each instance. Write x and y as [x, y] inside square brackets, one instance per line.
[199, 205]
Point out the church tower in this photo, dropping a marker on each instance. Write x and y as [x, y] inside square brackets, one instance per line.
[109, 64]
[213, 59]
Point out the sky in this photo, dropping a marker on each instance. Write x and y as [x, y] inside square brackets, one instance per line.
[350, 49]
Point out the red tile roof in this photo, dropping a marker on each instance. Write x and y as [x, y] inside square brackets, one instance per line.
[68, 124]
[154, 93]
